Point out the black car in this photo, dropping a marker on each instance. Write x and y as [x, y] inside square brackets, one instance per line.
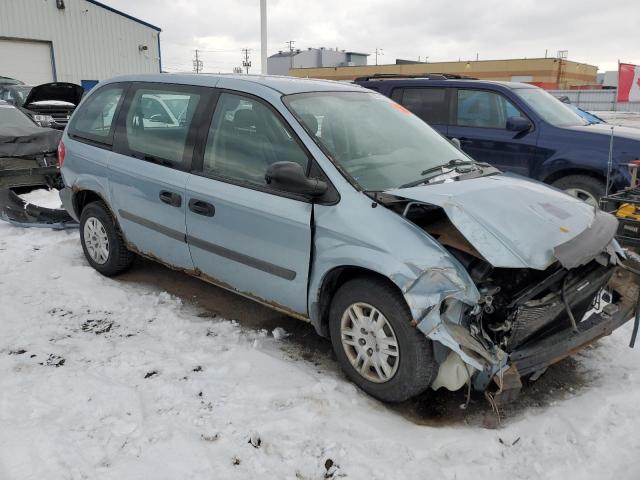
[49, 104]
[28, 152]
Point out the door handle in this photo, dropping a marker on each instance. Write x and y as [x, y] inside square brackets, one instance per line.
[202, 208]
[171, 198]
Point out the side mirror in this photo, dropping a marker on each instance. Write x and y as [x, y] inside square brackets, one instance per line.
[290, 177]
[456, 143]
[518, 124]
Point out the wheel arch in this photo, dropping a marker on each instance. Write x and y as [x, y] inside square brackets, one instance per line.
[82, 198]
[331, 282]
[565, 172]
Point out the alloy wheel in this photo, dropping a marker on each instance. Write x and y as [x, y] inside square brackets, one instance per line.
[583, 195]
[96, 240]
[369, 342]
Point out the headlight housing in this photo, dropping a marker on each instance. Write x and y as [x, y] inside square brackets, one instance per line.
[43, 120]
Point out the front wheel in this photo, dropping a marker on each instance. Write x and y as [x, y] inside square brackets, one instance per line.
[372, 336]
[586, 188]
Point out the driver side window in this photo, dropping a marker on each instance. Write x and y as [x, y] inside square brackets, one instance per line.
[245, 138]
[478, 108]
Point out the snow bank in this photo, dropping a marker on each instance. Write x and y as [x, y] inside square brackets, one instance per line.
[102, 379]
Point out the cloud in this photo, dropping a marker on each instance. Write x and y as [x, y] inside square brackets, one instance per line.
[592, 32]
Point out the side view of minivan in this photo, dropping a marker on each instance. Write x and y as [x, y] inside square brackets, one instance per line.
[519, 128]
[340, 207]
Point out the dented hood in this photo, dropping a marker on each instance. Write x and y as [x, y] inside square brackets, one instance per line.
[514, 222]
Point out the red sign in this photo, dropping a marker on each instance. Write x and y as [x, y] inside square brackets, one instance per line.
[628, 83]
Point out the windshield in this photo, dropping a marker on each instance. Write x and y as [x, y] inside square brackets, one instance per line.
[9, 115]
[15, 93]
[550, 108]
[378, 142]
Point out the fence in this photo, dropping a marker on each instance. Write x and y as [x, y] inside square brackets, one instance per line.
[597, 100]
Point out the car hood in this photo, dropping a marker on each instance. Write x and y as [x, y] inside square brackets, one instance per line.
[59, 91]
[630, 133]
[514, 222]
[27, 141]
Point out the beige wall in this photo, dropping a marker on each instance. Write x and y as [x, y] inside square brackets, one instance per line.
[543, 70]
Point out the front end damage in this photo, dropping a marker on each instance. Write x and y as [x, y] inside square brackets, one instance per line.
[514, 319]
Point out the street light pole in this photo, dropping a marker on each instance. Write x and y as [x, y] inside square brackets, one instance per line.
[263, 36]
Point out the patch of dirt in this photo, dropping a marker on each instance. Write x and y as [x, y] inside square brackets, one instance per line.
[54, 361]
[444, 408]
[97, 326]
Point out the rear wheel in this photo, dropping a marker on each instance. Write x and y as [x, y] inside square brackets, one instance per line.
[372, 336]
[102, 241]
[586, 188]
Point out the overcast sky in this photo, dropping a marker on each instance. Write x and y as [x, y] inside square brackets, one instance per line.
[593, 31]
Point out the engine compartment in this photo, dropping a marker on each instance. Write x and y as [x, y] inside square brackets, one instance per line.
[517, 305]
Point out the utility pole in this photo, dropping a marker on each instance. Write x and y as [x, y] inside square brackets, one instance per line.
[290, 45]
[378, 52]
[197, 63]
[263, 37]
[246, 63]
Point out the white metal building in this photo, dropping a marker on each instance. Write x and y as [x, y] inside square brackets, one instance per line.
[281, 62]
[78, 41]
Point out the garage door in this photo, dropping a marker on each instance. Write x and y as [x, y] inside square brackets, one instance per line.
[26, 61]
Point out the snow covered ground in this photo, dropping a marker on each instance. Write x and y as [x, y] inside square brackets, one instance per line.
[112, 379]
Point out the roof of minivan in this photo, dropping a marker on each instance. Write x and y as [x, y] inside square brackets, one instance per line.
[284, 85]
[447, 81]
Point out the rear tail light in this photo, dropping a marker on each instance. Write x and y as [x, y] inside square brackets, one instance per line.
[61, 154]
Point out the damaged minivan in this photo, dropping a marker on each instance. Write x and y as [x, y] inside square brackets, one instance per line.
[338, 206]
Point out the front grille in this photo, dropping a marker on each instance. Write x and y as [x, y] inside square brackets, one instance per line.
[61, 118]
[541, 315]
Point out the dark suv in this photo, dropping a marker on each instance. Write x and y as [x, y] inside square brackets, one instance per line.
[518, 128]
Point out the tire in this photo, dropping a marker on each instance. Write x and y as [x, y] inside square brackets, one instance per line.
[582, 187]
[415, 368]
[96, 218]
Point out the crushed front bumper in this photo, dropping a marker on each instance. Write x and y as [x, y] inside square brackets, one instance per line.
[535, 357]
[549, 350]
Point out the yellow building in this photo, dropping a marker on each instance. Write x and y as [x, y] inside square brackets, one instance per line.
[544, 72]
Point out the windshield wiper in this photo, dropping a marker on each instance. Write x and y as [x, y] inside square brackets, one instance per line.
[440, 169]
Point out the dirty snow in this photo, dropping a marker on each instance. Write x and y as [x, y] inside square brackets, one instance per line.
[104, 379]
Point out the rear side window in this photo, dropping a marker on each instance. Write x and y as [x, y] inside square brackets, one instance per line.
[245, 138]
[158, 122]
[430, 104]
[95, 117]
[477, 108]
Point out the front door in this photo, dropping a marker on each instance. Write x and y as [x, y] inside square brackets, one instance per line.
[480, 125]
[242, 233]
[148, 169]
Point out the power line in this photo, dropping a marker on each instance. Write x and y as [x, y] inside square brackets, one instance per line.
[290, 44]
[378, 52]
[246, 63]
[197, 63]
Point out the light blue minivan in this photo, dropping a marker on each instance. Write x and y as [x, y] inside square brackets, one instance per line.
[338, 206]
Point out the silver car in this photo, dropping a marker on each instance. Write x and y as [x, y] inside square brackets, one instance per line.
[338, 206]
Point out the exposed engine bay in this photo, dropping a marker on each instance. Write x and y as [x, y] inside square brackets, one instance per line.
[530, 315]
[516, 304]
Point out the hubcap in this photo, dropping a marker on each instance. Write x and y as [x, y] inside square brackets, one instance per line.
[582, 195]
[96, 240]
[369, 342]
